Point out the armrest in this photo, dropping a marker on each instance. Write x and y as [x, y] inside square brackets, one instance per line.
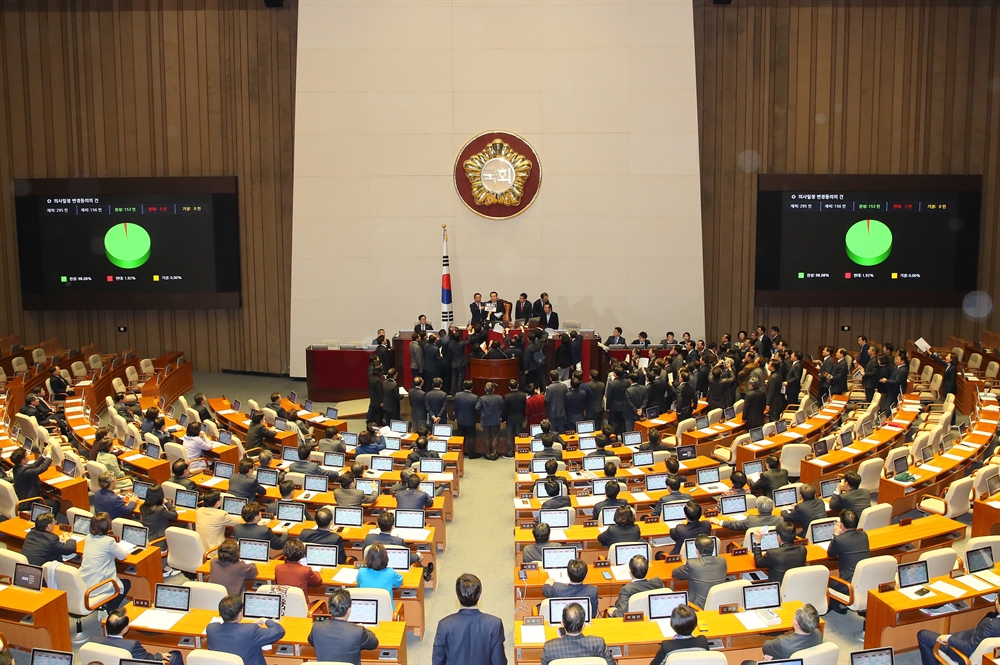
[850, 589]
[204, 557]
[314, 609]
[30, 499]
[154, 543]
[963, 659]
[86, 594]
[399, 614]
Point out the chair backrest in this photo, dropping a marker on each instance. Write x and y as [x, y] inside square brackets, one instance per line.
[146, 366]
[870, 472]
[807, 584]
[939, 562]
[131, 374]
[825, 520]
[570, 512]
[894, 454]
[792, 455]
[206, 657]
[79, 369]
[957, 497]
[7, 560]
[992, 369]
[582, 660]
[296, 604]
[876, 516]
[975, 361]
[95, 361]
[639, 602]
[914, 365]
[979, 480]
[193, 416]
[738, 407]
[381, 595]
[174, 452]
[725, 594]
[69, 580]
[926, 373]
[185, 551]
[211, 429]
[821, 654]
[207, 596]
[868, 575]
[981, 541]
[19, 364]
[696, 658]
[119, 425]
[92, 652]
[8, 500]
[684, 426]
[117, 524]
[170, 490]
[714, 416]
[182, 400]
[300, 479]
[252, 403]
[769, 429]
[94, 470]
[38, 355]
[269, 415]
[73, 512]
[959, 352]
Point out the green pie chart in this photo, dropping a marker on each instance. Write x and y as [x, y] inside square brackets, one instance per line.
[127, 245]
[868, 242]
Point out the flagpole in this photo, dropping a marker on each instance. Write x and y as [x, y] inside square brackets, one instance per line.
[447, 315]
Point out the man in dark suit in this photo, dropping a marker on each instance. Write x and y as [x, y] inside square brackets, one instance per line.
[611, 491]
[42, 544]
[826, 369]
[555, 402]
[950, 375]
[635, 402]
[772, 478]
[549, 319]
[754, 404]
[775, 400]
[850, 547]
[786, 556]
[490, 409]
[638, 567]
[522, 308]
[382, 352]
[964, 641]
[838, 377]
[553, 490]
[244, 484]
[257, 432]
[576, 570]
[809, 509]
[595, 410]
[793, 380]
[310, 468]
[322, 535]
[573, 643]
[437, 403]
[465, 414]
[469, 636]
[456, 356]
[117, 626]
[896, 382]
[616, 400]
[416, 356]
[765, 516]
[513, 413]
[863, 356]
[674, 483]
[181, 473]
[850, 495]
[692, 528]
[418, 404]
[340, 640]
[422, 324]
[413, 498]
[702, 573]
[538, 308]
[390, 397]
[275, 405]
[804, 635]
[615, 339]
[252, 530]
[434, 362]
[477, 310]
[242, 639]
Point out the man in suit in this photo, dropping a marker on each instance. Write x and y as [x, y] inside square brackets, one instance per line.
[413, 498]
[244, 484]
[548, 450]
[477, 310]
[764, 517]
[615, 339]
[117, 625]
[553, 490]
[494, 308]
[513, 413]
[964, 641]
[850, 495]
[674, 483]
[418, 404]
[826, 369]
[538, 308]
[549, 319]
[434, 362]
[322, 535]
[469, 636]
[772, 478]
[617, 388]
[201, 406]
[275, 405]
[106, 501]
[243, 639]
[437, 403]
[850, 547]
[26, 483]
[576, 402]
[390, 397]
[595, 410]
[863, 355]
[754, 404]
[635, 402]
[786, 556]
[573, 643]
[180, 470]
[416, 355]
[809, 509]
[42, 544]
[304, 465]
[838, 377]
[895, 383]
[576, 570]
[804, 635]
[252, 530]
[611, 491]
[490, 409]
[348, 494]
[340, 640]
[555, 402]
[702, 573]
[382, 353]
[465, 414]
[692, 528]
[638, 567]
[258, 431]
[775, 400]
[793, 380]
[950, 374]
[522, 308]
[422, 324]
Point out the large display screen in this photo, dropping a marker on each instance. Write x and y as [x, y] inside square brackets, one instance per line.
[866, 240]
[128, 243]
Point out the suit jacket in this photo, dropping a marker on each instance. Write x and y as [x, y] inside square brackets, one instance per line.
[555, 400]
[784, 646]
[676, 644]
[324, 537]
[685, 401]
[595, 410]
[635, 398]
[258, 532]
[341, 641]
[606, 503]
[390, 396]
[244, 639]
[418, 407]
[561, 590]
[805, 512]
[478, 313]
[413, 499]
[673, 497]
[632, 588]
[465, 407]
[514, 404]
[794, 380]
[312, 469]
[256, 433]
[42, 546]
[851, 548]
[966, 641]
[416, 356]
[548, 452]
[770, 480]
[577, 402]
[134, 647]
[469, 636]
[702, 574]
[352, 497]
[538, 308]
[949, 379]
[456, 352]
[522, 310]
[686, 530]
[775, 400]
[838, 380]
[620, 534]
[184, 482]
[26, 483]
[550, 320]
[856, 500]
[245, 487]
[615, 340]
[576, 646]
[897, 379]
[780, 560]
[489, 407]
[616, 394]
[106, 501]
[557, 502]
[437, 403]
[211, 523]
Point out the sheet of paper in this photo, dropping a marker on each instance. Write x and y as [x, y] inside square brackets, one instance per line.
[947, 589]
[157, 619]
[665, 628]
[532, 634]
[973, 582]
[823, 418]
[793, 435]
[85, 383]
[803, 426]
[346, 576]
[522, 503]
[440, 477]
[589, 475]
[316, 419]
[557, 534]
[213, 481]
[930, 469]
[588, 500]
[952, 457]
[820, 462]
[870, 441]
[378, 474]
[225, 412]
[707, 430]
[621, 573]
[911, 593]
[850, 450]
[524, 477]
[126, 548]
[993, 504]
[641, 496]
[893, 428]
[303, 413]
[751, 446]
[61, 478]
[751, 621]
[657, 421]
[412, 534]
[636, 471]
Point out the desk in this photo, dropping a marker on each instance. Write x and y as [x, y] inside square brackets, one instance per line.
[48, 627]
[811, 430]
[333, 375]
[391, 638]
[169, 386]
[497, 371]
[71, 492]
[714, 436]
[986, 517]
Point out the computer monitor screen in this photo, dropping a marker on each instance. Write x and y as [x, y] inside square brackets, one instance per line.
[267, 477]
[926, 454]
[780, 427]
[140, 488]
[308, 405]
[333, 459]
[538, 465]
[237, 405]
[427, 487]
[557, 557]
[134, 661]
[152, 450]
[399, 559]
[912, 574]
[757, 434]
[431, 465]
[691, 552]
[661, 605]
[172, 597]
[261, 605]
[137, 535]
[382, 463]
[224, 469]
[632, 438]
[233, 505]
[370, 487]
[317, 484]
[899, 465]
[184, 420]
[557, 605]
[364, 611]
[350, 439]
[878, 656]
[130, 442]
[644, 458]
[186, 499]
[822, 531]
[280, 424]
[556, 519]
[599, 485]
[442, 431]
[979, 559]
[535, 430]
[289, 454]
[291, 512]
[27, 576]
[51, 657]
[733, 505]
[608, 514]
[701, 422]
[729, 413]
[709, 475]
[81, 526]
[347, 516]
[331, 412]
[410, 519]
[846, 438]
[537, 446]
[820, 448]
[588, 443]
[656, 482]
[828, 487]
[595, 463]
[322, 555]
[437, 446]
[624, 553]
[753, 467]
[761, 596]
[652, 412]
[686, 452]
[769, 541]
[866, 429]
[393, 443]
[787, 496]
[254, 550]
[585, 427]
[225, 437]
[39, 509]
[399, 426]
[800, 417]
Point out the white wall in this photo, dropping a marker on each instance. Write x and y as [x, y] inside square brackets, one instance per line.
[387, 93]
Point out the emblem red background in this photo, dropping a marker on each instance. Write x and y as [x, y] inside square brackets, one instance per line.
[497, 210]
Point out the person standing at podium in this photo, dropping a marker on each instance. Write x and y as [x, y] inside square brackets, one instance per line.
[522, 308]
[490, 407]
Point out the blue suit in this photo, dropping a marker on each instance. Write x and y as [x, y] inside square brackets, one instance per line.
[341, 641]
[244, 639]
[965, 641]
[106, 501]
[469, 636]
[137, 650]
[561, 590]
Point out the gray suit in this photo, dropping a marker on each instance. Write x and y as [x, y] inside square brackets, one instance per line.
[418, 407]
[856, 500]
[752, 521]
[490, 408]
[576, 646]
[555, 406]
[702, 574]
[416, 357]
[632, 588]
[784, 646]
[635, 399]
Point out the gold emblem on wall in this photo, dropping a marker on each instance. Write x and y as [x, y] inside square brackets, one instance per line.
[497, 174]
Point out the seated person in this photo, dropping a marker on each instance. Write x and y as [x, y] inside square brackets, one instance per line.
[266, 460]
[116, 627]
[106, 457]
[252, 530]
[573, 643]
[533, 552]
[420, 452]
[849, 547]
[180, 470]
[106, 501]
[293, 572]
[376, 573]
[194, 442]
[602, 442]
[772, 478]
[764, 517]
[778, 561]
[702, 573]
[553, 490]
[611, 491]
[624, 530]
[322, 535]
[809, 509]
[963, 642]
[227, 569]
[304, 465]
[386, 521]
[246, 640]
[332, 442]
[286, 488]
[160, 431]
[149, 420]
[43, 544]
[340, 640]
[576, 570]
[243, 484]
[201, 406]
[673, 465]
[850, 495]
[692, 528]
[413, 497]
[546, 426]
[369, 441]
[804, 634]
[275, 405]
[638, 567]
[347, 495]
[738, 480]
[654, 441]
[683, 620]
[548, 450]
[551, 469]
[674, 483]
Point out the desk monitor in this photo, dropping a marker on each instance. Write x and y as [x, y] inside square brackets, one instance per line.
[393, 443]
[946, 444]
[137, 535]
[733, 505]
[410, 519]
[442, 430]
[846, 438]
[350, 439]
[926, 454]
[866, 429]
[184, 499]
[130, 442]
[364, 611]
[172, 597]
[912, 574]
[39, 508]
[595, 463]
[280, 424]
[333, 459]
[399, 559]
[588, 443]
[81, 525]
[632, 438]
[382, 463]
[993, 484]
[761, 596]
[900, 465]
[708, 476]
[289, 454]
[756, 434]
[585, 427]
[331, 412]
[701, 422]
[656, 482]
[139, 488]
[261, 605]
[598, 485]
[979, 559]
[821, 447]
[800, 417]
[343, 516]
[781, 426]
[427, 487]
[27, 576]
[224, 469]
[534, 430]
[233, 505]
[538, 465]
[152, 450]
[327, 556]
[729, 413]
[673, 511]
[540, 492]
[316, 484]
[556, 519]
[225, 437]
[431, 465]
[661, 605]
[536, 446]
[237, 405]
[652, 412]
[308, 405]
[878, 656]
[786, 496]
[643, 458]
[557, 605]
[828, 487]
[753, 467]
[370, 487]
[811, 410]
[691, 552]
[289, 511]
[184, 420]
[769, 541]
[557, 557]
[439, 446]
[399, 426]
[608, 514]
[267, 477]
[822, 531]
[52, 657]
[687, 452]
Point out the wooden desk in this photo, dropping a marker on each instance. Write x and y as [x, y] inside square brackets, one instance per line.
[578, 478]
[315, 420]
[169, 386]
[812, 429]
[71, 492]
[986, 517]
[237, 423]
[30, 619]
[391, 638]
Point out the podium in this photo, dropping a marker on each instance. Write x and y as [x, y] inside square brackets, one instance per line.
[497, 371]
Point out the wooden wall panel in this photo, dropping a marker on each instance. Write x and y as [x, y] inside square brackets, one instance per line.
[103, 88]
[842, 86]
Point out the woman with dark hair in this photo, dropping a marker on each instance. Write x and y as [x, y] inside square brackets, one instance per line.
[293, 572]
[100, 551]
[683, 620]
[156, 514]
[376, 574]
[100, 434]
[227, 569]
[624, 530]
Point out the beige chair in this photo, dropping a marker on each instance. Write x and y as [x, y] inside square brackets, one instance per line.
[792, 455]
[38, 355]
[953, 503]
[206, 657]
[147, 368]
[117, 524]
[252, 403]
[296, 603]
[8, 559]
[932, 391]
[269, 415]
[207, 596]
[185, 551]
[985, 647]
[826, 653]
[331, 343]
[981, 476]
[174, 452]
[867, 576]
[82, 601]
[696, 657]
[95, 361]
[79, 370]
[94, 470]
[825, 520]
[19, 364]
[674, 439]
[940, 562]
[981, 541]
[807, 584]
[170, 490]
[9, 503]
[875, 516]
[92, 652]
[870, 472]
[890, 459]
[385, 611]
[639, 602]
[715, 416]
[727, 454]
[726, 593]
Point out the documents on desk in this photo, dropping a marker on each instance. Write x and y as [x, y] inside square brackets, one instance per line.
[947, 589]
[522, 504]
[57, 479]
[157, 619]
[751, 620]
[213, 481]
[851, 451]
[523, 477]
[974, 582]
[621, 573]
[589, 500]
[533, 634]
[665, 628]
[412, 534]
[640, 496]
[557, 534]
[346, 576]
